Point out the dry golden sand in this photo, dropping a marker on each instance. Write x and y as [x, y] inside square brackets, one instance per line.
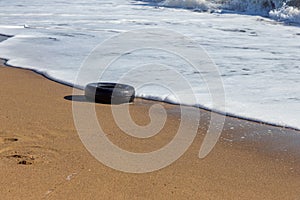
[42, 157]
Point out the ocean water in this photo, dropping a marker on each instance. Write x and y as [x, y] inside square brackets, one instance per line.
[255, 45]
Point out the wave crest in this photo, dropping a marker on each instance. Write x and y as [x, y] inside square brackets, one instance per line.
[286, 13]
[282, 10]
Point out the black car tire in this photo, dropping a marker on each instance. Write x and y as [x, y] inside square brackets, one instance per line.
[109, 93]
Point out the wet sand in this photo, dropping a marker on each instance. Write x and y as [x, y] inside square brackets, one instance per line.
[41, 155]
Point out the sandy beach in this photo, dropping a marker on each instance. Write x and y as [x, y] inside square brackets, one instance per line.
[42, 157]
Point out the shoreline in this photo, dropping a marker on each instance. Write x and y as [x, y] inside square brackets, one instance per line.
[38, 140]
[232, 115]
[4, 61]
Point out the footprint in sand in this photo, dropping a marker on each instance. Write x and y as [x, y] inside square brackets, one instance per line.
[5, 141]
[25, 150]
[29, 155]
[22, 159]
[8, 140]
[6, 137]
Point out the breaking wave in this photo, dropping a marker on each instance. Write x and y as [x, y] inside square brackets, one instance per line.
[281, 10]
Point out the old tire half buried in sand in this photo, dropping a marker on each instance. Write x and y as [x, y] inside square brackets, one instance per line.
[109, 93]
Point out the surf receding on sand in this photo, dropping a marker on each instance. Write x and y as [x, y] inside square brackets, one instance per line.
[258, 58]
